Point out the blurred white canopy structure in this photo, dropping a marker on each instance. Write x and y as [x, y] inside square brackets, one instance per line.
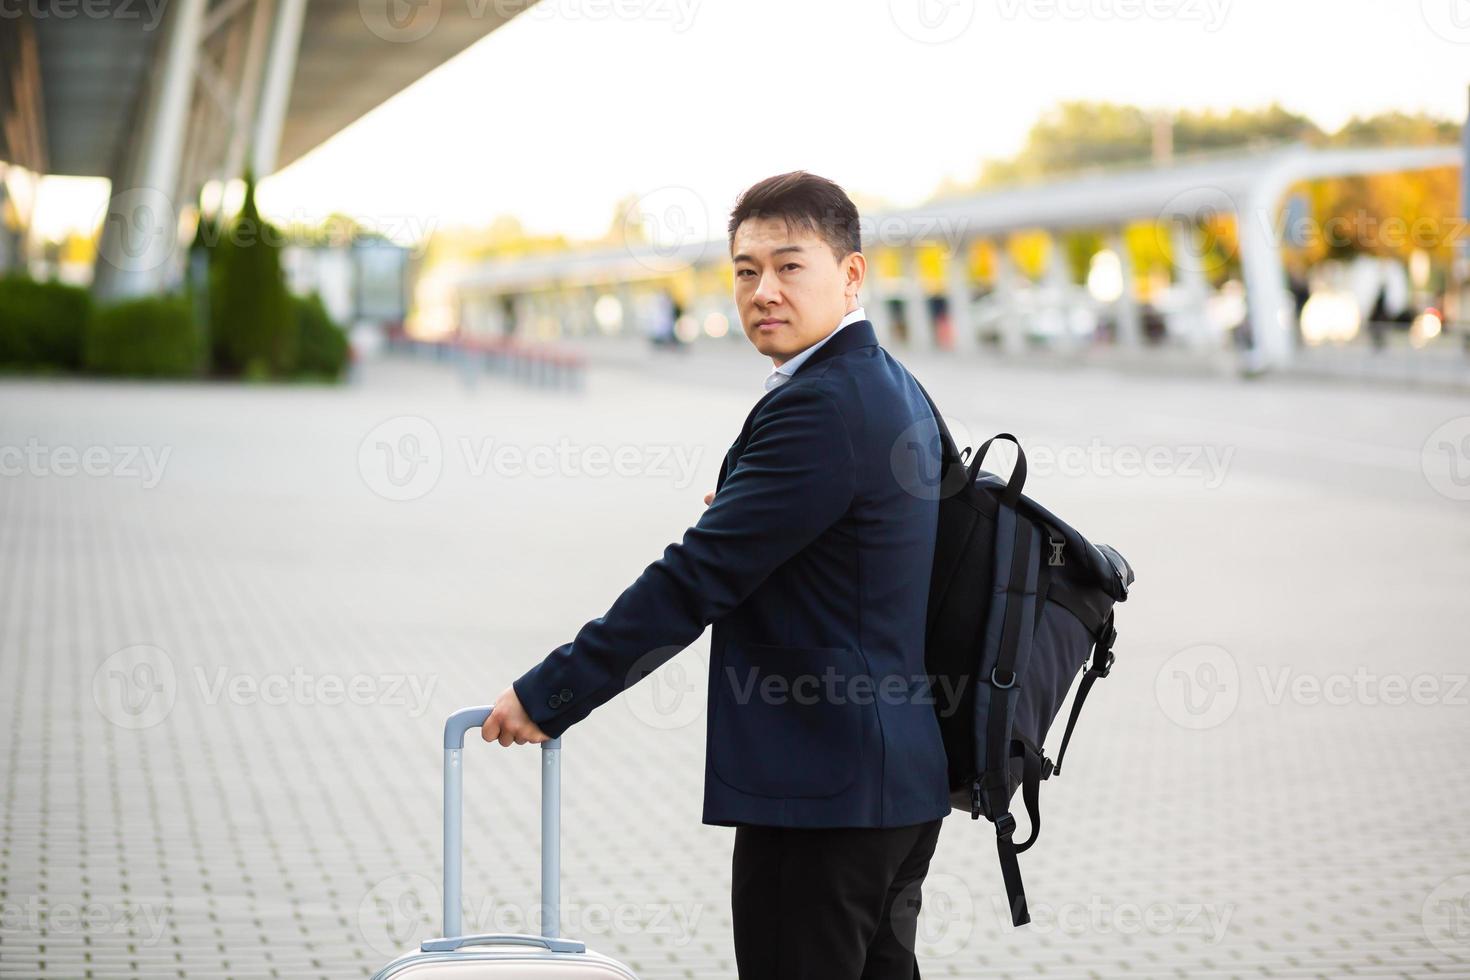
[1249, 186]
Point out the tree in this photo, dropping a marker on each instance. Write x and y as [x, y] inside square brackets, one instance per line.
[1384, 214]
[253, 326]
[1076, 136]
[1392, 214]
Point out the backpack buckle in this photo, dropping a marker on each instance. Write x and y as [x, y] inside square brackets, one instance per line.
[1005, 826]
[1107, 665]
[1010, 679]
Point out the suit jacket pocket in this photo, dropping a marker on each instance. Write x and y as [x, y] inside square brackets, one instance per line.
[788, 721]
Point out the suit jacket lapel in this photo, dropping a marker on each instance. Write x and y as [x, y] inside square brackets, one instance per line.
[857, 334]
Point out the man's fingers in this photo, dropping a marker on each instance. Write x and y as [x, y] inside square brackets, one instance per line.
[709, 498]
[509, 726]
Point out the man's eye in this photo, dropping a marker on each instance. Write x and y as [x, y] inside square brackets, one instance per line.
[742, 272]
[790, 265]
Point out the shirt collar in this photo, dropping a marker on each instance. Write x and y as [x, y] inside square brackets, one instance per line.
[783, 373]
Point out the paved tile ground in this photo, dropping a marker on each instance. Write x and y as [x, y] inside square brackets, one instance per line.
[225, 652]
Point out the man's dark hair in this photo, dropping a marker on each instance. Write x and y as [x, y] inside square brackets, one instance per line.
[803, 201]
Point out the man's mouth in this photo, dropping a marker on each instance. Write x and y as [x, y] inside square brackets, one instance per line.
[769, 322]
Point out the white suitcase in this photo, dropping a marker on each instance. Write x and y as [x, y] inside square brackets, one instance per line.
[496, 957]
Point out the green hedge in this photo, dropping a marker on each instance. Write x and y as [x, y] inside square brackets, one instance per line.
[153, 337]
[321, 344]
[42, 324]
[240, 320]
[252, 322]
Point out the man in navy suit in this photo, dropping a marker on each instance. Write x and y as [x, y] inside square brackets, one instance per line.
[812, 562]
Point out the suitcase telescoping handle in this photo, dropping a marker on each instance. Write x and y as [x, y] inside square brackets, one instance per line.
[455, 728]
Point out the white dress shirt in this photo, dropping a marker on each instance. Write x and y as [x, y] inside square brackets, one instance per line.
[783, 373]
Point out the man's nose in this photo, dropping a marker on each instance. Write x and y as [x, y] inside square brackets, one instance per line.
[766, 291]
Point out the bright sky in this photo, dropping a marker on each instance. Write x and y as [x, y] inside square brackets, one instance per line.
[577, 103]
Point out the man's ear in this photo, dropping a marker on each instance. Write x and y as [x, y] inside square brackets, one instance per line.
[855, 268]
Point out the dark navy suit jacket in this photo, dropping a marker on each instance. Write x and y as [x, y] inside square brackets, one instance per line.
[813, 564]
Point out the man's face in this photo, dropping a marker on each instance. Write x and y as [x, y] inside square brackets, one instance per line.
[790, 288]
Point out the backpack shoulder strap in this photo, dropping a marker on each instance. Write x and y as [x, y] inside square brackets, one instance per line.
[1102, 663]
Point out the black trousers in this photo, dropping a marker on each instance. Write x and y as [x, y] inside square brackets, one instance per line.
[839, 903]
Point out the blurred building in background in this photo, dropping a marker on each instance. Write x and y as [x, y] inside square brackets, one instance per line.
[1205, 258]
[165, 99]
[361, 281]
[997, 270]
[364, 284]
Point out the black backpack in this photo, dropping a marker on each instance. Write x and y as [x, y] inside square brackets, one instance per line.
[1017, 602]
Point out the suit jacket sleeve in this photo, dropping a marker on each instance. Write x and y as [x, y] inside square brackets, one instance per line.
[794, 479]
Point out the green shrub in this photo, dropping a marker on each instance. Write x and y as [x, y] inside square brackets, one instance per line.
[198, 260]
[42, 323]
[151, 337]
[253, 329]
[322, 348]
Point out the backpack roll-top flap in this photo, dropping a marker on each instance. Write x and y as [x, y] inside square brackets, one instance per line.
[1096, 566]
[1121, 568]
